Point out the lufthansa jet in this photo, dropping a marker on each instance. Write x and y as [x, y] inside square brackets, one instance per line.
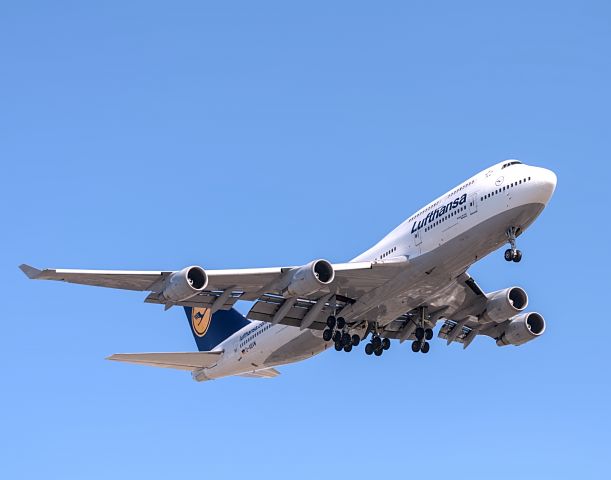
[399, 289]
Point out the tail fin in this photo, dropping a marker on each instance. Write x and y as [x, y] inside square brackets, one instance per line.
[210, 330]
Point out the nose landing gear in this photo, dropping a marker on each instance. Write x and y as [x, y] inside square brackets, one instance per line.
[512, 254]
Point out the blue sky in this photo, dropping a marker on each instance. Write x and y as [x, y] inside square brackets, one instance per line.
[154, 135]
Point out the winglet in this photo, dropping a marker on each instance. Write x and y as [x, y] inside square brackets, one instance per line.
[31, 272]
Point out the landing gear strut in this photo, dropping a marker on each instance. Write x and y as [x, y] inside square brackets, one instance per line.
[512, 254]
[422, 334]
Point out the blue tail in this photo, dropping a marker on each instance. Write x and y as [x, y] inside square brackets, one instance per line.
[210, 330]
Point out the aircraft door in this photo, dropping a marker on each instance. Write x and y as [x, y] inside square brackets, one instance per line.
[473, 203]
[418, 237]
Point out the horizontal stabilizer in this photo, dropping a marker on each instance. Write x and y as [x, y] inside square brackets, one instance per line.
[31, 272]
[265, 373]
[179, 360]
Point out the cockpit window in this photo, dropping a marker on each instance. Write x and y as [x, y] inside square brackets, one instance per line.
[510, 163]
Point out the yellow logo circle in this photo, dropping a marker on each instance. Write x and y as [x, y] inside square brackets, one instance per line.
[200, 320]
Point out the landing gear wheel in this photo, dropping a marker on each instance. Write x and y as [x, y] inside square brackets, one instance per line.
[428, 334]
[424, 348]
[326, 335]
[338, 347]
[346, 340]
[378, 352]
[337, 336]
[376, 342]
[356, 340]
[420, 333]
[341, 323]
[385, 344]
[513, 253]
[415, 346]
[331, 322]
[348, 348]
[369, 349]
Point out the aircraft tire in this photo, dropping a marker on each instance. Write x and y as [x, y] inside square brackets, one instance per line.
[327, 335]
[420, 333]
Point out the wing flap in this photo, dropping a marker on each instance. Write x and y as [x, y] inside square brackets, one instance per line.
[267, 306]
[178, 360]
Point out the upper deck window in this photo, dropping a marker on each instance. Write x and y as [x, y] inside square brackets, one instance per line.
[510, 163]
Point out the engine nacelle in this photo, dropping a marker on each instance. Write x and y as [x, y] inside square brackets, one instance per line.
[522, 328]
[504, 304]
[185, 284]
[310, 278]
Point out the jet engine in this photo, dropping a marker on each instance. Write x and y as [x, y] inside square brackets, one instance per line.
[185, 284]
[310, 278]
[522, 328]
[504, 304]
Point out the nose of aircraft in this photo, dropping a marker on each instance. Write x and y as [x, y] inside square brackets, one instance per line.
[546, 180]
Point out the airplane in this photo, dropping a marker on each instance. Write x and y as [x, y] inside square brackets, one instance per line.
[399, 289]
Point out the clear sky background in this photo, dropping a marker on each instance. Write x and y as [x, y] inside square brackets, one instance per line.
[155, 135]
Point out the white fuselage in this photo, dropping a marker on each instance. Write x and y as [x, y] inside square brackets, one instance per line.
[449, 234]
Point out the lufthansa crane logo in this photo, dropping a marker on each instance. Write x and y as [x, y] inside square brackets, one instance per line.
[499, 181]
[200, 320]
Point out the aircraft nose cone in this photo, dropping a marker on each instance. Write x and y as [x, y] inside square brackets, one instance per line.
[547, 183]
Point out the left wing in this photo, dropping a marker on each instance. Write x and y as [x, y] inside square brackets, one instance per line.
[251, 281]
[220, 289]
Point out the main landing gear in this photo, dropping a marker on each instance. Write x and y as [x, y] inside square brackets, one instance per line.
[512, 254]
[422, 335]
[377, 345]
[335, 331]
